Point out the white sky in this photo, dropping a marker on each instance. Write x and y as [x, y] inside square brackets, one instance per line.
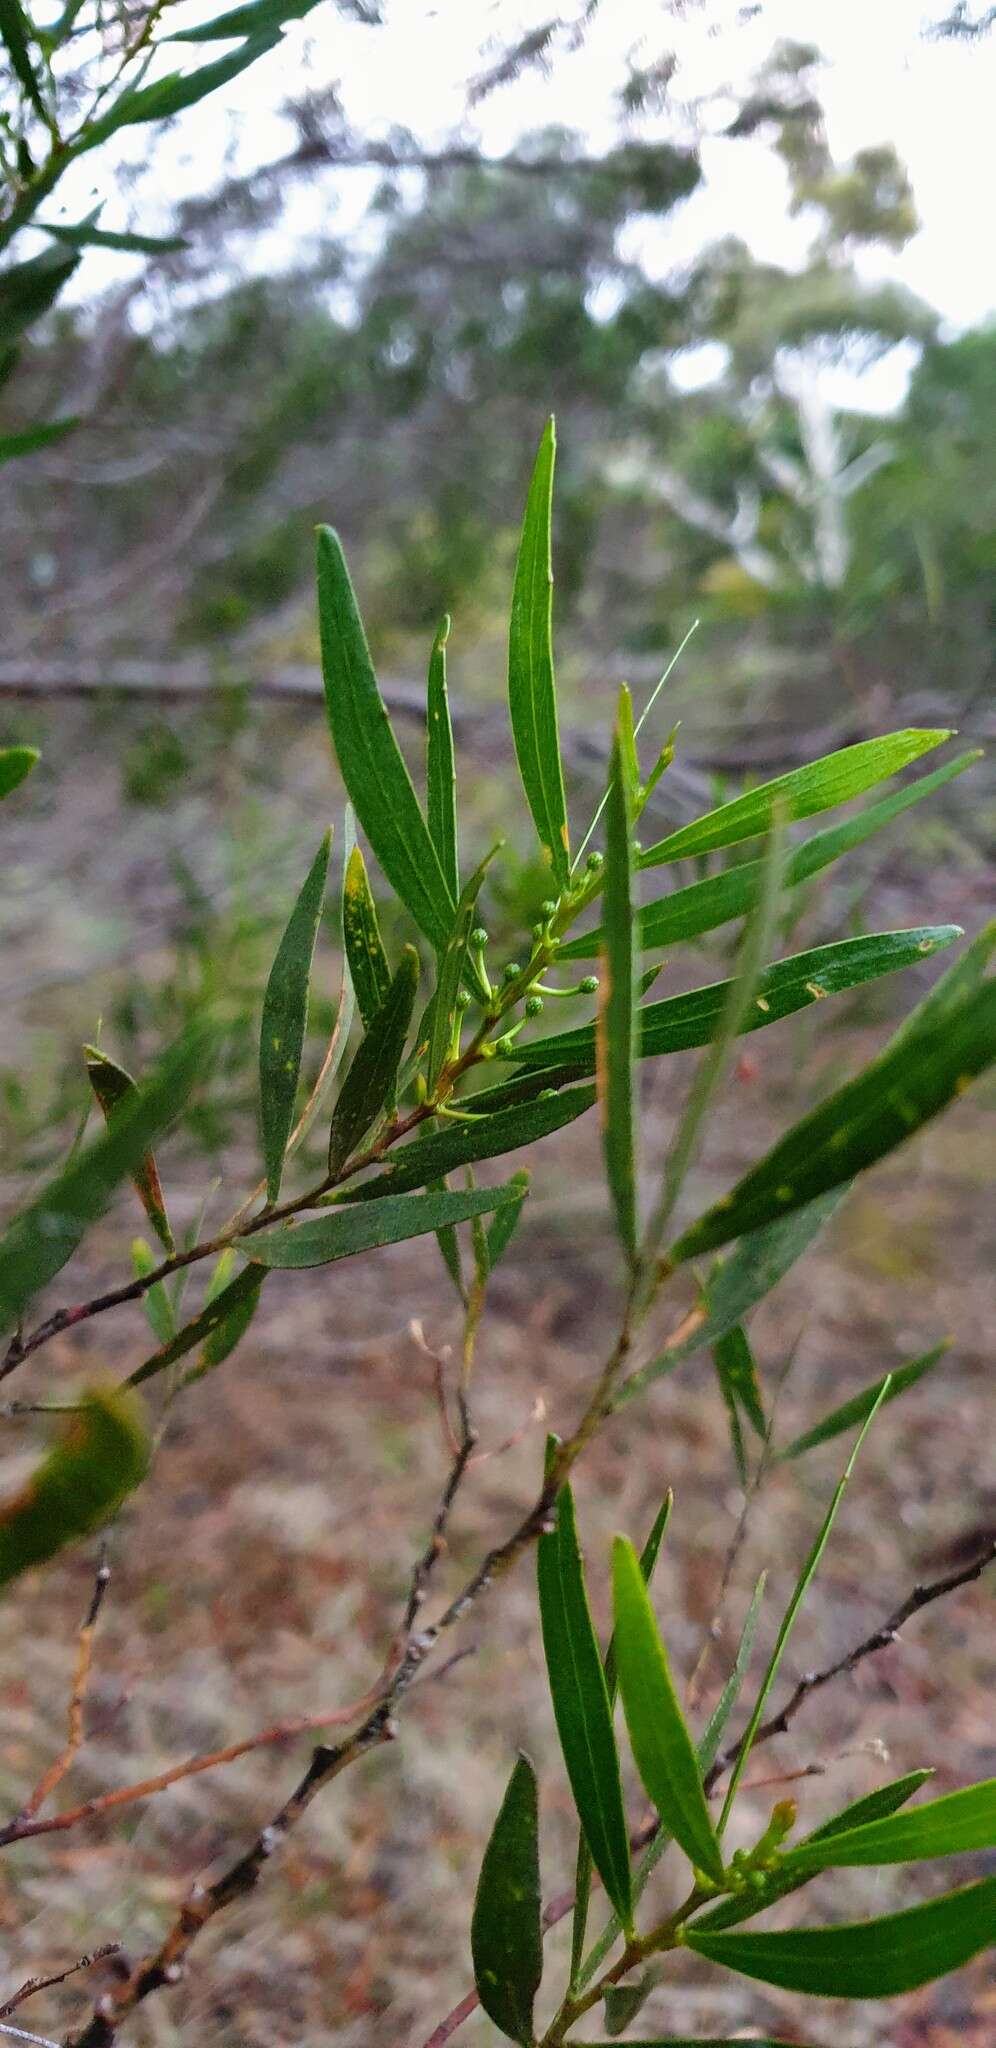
[883, 82]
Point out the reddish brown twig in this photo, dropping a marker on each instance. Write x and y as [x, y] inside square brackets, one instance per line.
[25, 1826]
[74, 1733]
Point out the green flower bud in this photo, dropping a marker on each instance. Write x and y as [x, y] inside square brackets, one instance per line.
[464, 999]
[547, 909]
[595, 861]
[504, 1045]
[538, 931]
[534, 1006]
[589, 985]
[512, 971]
[478, 938]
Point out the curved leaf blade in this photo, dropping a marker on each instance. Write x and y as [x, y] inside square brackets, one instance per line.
[789, 1619]
[955, 1825]
[615, 1028]
[231, 1309]
[37, 1244]
[506, 1937]
[252, 19]
[581, 1705]
[531, 689]
[15, 764]
[855, 1410]
[802, 793]
[174, 93]
[440, 764]
[702, 906]
[865, 1959]
[368, 968]
[374, 1069]
[113, 1086]
[285, 1013]
[463, 1144]
[339, 1233]
[662, 1747]
[369, 757]
[753, 1269]
[680, 1022]
[83, 1480]
[915, 1078]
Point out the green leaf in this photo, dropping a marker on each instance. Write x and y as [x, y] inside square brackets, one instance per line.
[13, 446]
[232, 1308]
[954, 1825]
[220, 1342]
[662, 1747]
[155, 1301]
[15, 29]
[113, 1088]
[451, 972]
[737, 1374]
[440, 767]
[368, 753]
[27, 290]
[506, 1936]
[615, 1030]
[623, 2002]
[373, 1072]
[254, 19]
[37, 1244]
[802, 793]
[87, 235]
[680, 1022]
[802, 1585]
[285, 1013]
[85, 1477]
[459, 1144]
[371, 975]
[338, 1233]
[582, 1882]
[740, 994]
[173, 94]
[700, 907]
[708, 1748]
[855, 1410]
[706, 1751]
[751, 1272]
[867, 1959]
[581, 1704]
[15, 764]
[531, 690]
[506, 1220]
[911, 1081]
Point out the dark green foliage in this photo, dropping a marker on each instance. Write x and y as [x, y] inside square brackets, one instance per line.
[506, 1939]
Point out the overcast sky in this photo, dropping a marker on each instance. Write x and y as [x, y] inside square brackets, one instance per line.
[883, 82]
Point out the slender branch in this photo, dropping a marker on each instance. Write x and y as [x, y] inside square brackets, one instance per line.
[880, 1639]
[35, 1984]
[478, 1049]
[166, 1966]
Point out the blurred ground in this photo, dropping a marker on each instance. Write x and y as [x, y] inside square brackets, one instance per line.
[260, 1572]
